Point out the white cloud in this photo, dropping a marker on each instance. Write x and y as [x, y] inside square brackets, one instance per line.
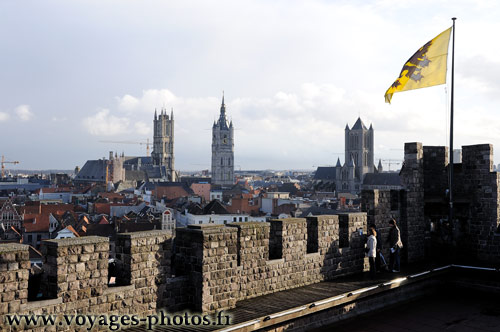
[102, 123]
[142, 128]
[149, 101]
[59, 119]
[348, 51]
[24, 113]
[4, 116]
[127, 103]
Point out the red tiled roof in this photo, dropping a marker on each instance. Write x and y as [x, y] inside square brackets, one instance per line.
[111, 196]
[36, 222]
[37, 208]
[102, 208]
[70, 228]
[36, 215]
[103, 221]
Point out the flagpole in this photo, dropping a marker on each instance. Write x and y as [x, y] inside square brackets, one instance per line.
[450, 218]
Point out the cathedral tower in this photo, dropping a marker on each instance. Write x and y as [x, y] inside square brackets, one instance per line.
[163, 142]
[359, 148]
[222, 150]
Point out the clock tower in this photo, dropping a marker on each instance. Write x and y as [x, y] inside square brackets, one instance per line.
[222, 150]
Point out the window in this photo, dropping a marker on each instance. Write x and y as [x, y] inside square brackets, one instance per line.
[222, 161]
[312, 235]
[394, 200]
[30, 238]
[276, 240]
[343, 231]
[38, 237]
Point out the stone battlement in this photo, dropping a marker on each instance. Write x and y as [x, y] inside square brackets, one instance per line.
[204, 268]
[422, 207]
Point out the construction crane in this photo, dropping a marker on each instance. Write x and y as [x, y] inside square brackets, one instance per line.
[391, 162]
[147, 144]
[6, 162]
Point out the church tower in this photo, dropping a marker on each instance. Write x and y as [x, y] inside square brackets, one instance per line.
[222, 150]
[359, 148]
[163, 142]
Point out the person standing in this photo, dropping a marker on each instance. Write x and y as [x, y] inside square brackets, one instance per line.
[371, 245]
[380, 263]
[395, 245]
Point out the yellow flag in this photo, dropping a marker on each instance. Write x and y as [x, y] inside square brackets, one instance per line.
[427, 67]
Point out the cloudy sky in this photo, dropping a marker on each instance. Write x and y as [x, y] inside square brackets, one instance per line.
[75, 73]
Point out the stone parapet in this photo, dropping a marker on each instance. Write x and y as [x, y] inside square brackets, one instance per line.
[214, 267]
[75, 269]
[76, 278]
[14, 274]
[423, 205]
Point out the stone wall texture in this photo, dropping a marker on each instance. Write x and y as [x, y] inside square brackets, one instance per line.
[205, 268]
[422, 212]
[76, 277]
[233, 262]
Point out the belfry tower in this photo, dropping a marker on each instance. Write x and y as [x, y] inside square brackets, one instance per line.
[163, 142]
[222, 150]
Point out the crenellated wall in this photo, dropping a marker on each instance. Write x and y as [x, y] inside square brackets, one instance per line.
[75, 277]
[483, 186]
[14, 265]
[423, 205]
[233, 262]
[206, 268]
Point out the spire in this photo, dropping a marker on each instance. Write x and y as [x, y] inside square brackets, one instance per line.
[359, 124]
[222, 117]
[223, 106]
[155, 113]
[346, 126]
[172, 114]
[379, 167]
[371, 126]
[338, 163]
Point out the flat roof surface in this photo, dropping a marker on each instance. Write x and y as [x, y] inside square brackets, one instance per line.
[458, 311]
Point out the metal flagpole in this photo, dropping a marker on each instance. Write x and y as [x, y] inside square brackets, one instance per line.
[450, 217]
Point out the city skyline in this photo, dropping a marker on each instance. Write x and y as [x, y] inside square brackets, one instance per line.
[294, 74]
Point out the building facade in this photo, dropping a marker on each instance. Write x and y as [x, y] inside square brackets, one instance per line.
[359, 148]
[359, 157]
[222, 150]
[9, 216]
[163, 142]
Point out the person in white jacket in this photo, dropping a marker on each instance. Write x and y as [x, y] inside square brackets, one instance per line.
[371, 246]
